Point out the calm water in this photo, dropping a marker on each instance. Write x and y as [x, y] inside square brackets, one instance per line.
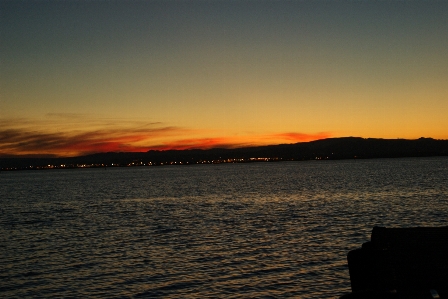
[262, 230]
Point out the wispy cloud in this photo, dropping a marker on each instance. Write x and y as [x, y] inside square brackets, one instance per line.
[84, 136]
[240, 141]
[67, 115]
[199, 143]
[27, 137]
[294, 137]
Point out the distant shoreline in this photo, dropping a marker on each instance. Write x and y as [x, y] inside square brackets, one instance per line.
[325, 149]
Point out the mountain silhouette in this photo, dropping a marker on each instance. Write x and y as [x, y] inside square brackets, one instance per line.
[331, 149]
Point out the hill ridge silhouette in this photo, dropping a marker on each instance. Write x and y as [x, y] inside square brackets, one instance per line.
[330, 148]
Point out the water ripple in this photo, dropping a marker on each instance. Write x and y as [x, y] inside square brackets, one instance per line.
[265, 230]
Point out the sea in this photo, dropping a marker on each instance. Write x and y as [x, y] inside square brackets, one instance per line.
[249, 230]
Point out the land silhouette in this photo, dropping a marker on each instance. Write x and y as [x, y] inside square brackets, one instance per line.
[324, 149]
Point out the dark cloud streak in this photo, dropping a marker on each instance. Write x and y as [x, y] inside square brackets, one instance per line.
[22, 141]
[86, 136]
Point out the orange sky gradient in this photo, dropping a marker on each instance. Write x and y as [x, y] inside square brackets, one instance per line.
[20, 137]
[80, 77]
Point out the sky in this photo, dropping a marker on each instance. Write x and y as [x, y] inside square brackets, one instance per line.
[79, 77]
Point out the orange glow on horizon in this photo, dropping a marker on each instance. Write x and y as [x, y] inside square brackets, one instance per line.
[20, 140]
[240, 141]
[79, 135]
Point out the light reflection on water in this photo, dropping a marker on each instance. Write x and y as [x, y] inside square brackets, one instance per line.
[268, 230]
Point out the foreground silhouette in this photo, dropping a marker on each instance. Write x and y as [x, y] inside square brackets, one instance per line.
[401, 263]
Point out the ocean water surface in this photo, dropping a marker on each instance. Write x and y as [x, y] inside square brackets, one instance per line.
[259, 230]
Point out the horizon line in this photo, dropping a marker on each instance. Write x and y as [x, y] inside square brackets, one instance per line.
[167, 149]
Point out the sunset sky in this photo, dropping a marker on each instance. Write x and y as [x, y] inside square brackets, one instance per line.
[79, 77]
